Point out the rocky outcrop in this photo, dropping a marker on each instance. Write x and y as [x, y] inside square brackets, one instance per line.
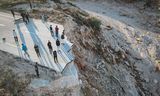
[109, 63]
[116, 59]
[18, 73]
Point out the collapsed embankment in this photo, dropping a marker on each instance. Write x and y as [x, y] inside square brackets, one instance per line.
[108, 62]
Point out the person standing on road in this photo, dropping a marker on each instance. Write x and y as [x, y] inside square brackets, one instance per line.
[27, 17]
[51, 30]
[55, 56]
[56, 30]
[36, 69]
[50, 47]
[24, 17]
[4, 39]
[62, 37]
[42, 17]
[15, 37]
[24, 48]
[45, 17]
[12, 11]
[58, 44]
[37, 50]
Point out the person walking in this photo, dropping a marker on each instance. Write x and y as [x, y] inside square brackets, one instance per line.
[50, 47]
[56, 30]
[24, 48]
[37, 50]
[58, 44]
[55, 56]
[36, 69]
[12, 11]
[51, 30]
[15, 37]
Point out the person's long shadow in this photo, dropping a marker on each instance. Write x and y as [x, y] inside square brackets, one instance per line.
[19, 50]
[32, 29]
[22, 38]
[55, 38]
[20, 33]
[48, 27]
[18, 45]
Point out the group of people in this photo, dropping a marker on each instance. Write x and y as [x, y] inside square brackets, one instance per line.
[58, 43]
[37, 49]
[55, 33]
[54, 53]
[25, 16]
[44, 17]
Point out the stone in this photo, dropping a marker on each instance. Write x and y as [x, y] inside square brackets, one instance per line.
[155, 81]
[108, 27]
[147, 80]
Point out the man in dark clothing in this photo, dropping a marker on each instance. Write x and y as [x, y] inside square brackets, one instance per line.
[55, 56]
[4, 40]
[24, 17]
[58, 44]
[12, 11]
[36, 69]
[57, 30]
[27, 17]
[51, 30]
[62, 37]
[15, 37]
[50, 47]
[37, 50]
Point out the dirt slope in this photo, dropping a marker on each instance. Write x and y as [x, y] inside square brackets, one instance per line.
[114, 58]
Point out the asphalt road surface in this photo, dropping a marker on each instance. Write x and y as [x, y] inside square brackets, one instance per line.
[35, 32]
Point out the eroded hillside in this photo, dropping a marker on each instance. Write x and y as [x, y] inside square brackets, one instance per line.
[113, 58]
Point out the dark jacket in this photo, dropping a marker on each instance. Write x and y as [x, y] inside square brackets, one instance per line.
[62, 36]
[36, 48]
[55, 53]
[49, 45]
[51, 29]
[57, 42]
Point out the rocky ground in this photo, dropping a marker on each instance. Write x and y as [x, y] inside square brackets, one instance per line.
[115, 58]
[18, 77]
[18, 73]
[118, 60]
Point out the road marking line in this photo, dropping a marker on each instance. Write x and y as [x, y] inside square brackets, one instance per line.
[2, 25]
[6, 16]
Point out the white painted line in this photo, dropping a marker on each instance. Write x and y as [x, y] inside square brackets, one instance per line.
[2, 25]
[6, 16]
